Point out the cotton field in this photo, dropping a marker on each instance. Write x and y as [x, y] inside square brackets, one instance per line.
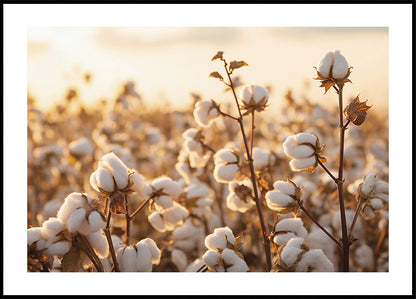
[213, 188]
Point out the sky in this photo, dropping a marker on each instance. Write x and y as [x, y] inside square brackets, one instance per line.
[168, 63]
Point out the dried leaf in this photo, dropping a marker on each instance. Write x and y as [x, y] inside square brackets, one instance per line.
[236, 64]
[328, 85]
[218, 56]
[216, 75]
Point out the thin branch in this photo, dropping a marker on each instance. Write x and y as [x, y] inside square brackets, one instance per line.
[320, 226]
[326, 170]
[141, 207]
[89, 251]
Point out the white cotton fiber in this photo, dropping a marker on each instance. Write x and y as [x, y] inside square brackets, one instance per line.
[302, 164]
[214, 242]
[156, 220]
[59, 248]
[34, 234]
[364, 257]
[104, 179]
[99, 242]
[128, 259]
[316, 261]
[225, 155]
[231, 258]
[76, 219]
[291, 251]
[340, 68]
[153, 249]
[376, 203]
[369, 184]
[325, 64]
[285, 187]
[51, 228]
[306, 138]
[117, 168]
[81, 147]
[211, 258]
[138, 182]
[299, 152]
[277, 198]
[167, 185]
[225, 173]
[144, 258]
[96, 221]
[381, 187]
[164, 201]
[260, 157]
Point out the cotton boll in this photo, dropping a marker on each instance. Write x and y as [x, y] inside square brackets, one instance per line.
[340, 67]
[104, 180]
[306, 138]
[278, 201]
[127, 259]
[291, 251]
[138, 182]
[368, 185]
[93, 181]
[59, 248]
[325, 64]
[260, 157]
[166, 185]
[376, 203]
[214, 242]
[225, 173]
[156, 220]
[285, 187]
[179, 259]
[144, 258]
[34, 234]
[225, 155]
[300, 151]
[236, 263]
[164, 201]
[316, 261]
[99, 242]
[364, 257]
[291, 228]
[76, 219]
[96, 221]
[211, 258]
[368, 212]
[302, 164]
[51, 208]
[153, 249]
[381, 187]
[72, 202]
[51, 227]
[81, 147]
[252, 95]
[117, 168]
[117, 242]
